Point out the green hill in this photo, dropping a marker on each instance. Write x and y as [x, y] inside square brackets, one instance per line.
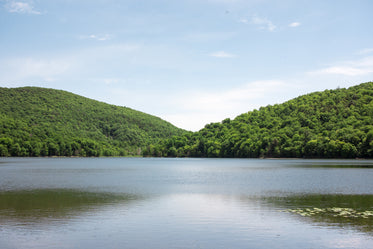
[45, 122]
[329, 124]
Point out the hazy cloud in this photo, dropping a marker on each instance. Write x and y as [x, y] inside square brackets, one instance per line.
[238, 96]
[26, 69]
[262, 23]
[21, 7]
[294, 24]
[349, 68]
[103, 37]
[243, 20]
[344, 70]
[224, 1]
[208, 36]
[365, 51]
[222, 54]
[199, 108]
[110, 81]
[60, 66]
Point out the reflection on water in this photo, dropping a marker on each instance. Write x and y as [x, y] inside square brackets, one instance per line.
[322, 163]
[43, 205]
[352, 211]
[185, 203]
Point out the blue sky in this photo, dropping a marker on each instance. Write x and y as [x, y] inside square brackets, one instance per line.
[190, 62]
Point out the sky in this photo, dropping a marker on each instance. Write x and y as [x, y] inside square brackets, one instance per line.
[190, 62]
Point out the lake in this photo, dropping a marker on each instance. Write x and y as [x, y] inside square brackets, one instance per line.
[185, 203]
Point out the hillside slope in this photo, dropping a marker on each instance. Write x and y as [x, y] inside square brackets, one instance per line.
[45, 122]
[329, 124]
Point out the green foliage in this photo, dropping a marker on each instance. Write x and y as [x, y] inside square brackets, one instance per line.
[46, 122]
[329, 124]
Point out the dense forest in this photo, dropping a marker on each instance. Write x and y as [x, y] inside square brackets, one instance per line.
[45, 122]
[329, 124]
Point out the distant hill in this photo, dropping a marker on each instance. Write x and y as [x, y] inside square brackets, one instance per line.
[45, 122]
[329, 124]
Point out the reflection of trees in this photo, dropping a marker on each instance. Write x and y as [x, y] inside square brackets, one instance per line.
[352, 211]
[39, 206]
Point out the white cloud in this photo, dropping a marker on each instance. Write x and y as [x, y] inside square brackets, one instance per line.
[208, 36]
[360, 67]
[224, 1]
[222, 54]
[365, 51]
[102, 37]
[194, 110]
[234, 97]
[263, 23]
[243, 20]
[68, 66]
[365, 62]
[294, 24]
[26, 69]
[111, 81]
[348, 71]
[21, 7]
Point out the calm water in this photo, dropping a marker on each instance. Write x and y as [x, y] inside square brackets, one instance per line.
[185, 203]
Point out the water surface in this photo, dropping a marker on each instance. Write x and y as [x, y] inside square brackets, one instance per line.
[185, 203]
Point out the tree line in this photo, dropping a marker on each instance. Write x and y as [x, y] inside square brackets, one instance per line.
[46, 122]
[330, 124]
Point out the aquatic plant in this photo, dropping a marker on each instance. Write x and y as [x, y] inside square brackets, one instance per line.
[333, 211]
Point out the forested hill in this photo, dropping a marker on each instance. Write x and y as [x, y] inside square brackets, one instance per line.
[45, 122]
[329, 124]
